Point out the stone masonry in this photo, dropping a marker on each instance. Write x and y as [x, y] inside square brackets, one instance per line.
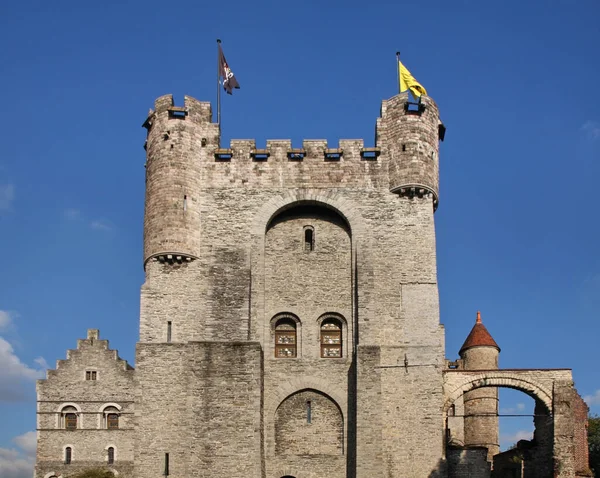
[289, 320]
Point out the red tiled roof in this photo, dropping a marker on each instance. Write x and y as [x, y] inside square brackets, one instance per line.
[479, 337]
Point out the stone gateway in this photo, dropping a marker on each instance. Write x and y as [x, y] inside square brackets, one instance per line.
[289, 324]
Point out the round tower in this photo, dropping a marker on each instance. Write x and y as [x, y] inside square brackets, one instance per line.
[480, 352]
[179, 140]
[410, 133]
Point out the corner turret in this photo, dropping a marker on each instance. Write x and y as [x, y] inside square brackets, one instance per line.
[409, 134]
[480, 352]
[179, 138]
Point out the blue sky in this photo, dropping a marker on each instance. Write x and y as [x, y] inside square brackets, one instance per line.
[517, 226]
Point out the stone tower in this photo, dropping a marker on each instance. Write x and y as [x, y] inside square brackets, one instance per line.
[480, 352]
[290, 310]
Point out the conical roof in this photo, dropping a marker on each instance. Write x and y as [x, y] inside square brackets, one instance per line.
[479, 337]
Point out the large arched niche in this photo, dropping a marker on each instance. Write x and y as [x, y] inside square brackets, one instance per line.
[270, 213]
[308, 266]
[309, 422]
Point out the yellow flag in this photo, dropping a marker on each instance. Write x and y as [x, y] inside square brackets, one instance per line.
[408, 82]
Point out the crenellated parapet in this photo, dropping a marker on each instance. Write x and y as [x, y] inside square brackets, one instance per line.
[184, 156]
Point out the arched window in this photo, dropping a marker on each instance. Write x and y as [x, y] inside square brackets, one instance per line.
[309, 238]
[331, 338]
[111, 455]
[69, 418]
[111, 418]
[285, 338]
[68, 455]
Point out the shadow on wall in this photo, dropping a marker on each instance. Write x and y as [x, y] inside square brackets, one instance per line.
[440, 470]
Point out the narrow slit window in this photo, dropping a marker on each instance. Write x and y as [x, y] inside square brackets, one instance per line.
[309, 239]
[166, 472]
[68, 455]
[111, 455]
[169, 331]
[403, 147]
[308, 411]
[185, 202]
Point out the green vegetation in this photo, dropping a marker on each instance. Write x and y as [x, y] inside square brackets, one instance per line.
[594, 443]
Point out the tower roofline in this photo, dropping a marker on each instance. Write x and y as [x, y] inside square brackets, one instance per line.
[478, 337]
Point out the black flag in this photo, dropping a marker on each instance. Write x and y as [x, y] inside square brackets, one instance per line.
[229, 81]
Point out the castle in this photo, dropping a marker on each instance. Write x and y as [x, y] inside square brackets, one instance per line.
[289, 324]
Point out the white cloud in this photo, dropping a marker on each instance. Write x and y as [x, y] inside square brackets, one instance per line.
[519, 407]
[593, 399]
[41, 361]
[16, 378]
[7, 196]
[19, 464]
[513, 438]
[101, 225]
[72, 214]
[592, 130]
[5, 319]
[27, 442]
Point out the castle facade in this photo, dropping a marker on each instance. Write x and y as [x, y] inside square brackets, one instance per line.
[289, 323]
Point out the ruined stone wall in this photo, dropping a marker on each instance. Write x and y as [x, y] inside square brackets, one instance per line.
[67, 386]
[580, 415]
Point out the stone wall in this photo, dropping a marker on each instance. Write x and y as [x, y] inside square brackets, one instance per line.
[201, 403]
[468, 462]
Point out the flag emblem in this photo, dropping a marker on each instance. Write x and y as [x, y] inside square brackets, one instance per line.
[229, 80]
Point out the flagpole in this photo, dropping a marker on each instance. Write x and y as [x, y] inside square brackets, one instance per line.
[218, 85]
[398, 66]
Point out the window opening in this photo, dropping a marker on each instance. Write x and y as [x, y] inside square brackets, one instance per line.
[71, 421]
[169, 331]
[111, 455]
[185, 202]
[112, 421]
[403, 147]
[68, 455]
[308, 411]
[331, 339]
[285, 339]
[309, 238]
[91, 375]
[166, 473]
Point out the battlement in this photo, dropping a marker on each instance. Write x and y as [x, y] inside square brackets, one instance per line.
[282, 150]
[192, 110]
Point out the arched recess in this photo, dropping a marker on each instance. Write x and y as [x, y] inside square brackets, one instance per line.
[308, 281]
[540, 450]
[337, 204]
[534, 390]
[309, 422]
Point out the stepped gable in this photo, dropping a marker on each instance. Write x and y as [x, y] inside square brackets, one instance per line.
[478, 337]
[92, 342]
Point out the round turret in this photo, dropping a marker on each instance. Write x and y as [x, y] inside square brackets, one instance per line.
[410, 133]
[179, 140]
[480, 352]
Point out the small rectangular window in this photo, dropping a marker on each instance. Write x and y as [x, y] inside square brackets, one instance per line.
[308, 411]
[169, 331]
[91, 375]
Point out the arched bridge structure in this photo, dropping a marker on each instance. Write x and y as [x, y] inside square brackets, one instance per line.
[551, 387]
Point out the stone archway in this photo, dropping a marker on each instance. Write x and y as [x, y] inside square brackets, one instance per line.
[553, 389]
